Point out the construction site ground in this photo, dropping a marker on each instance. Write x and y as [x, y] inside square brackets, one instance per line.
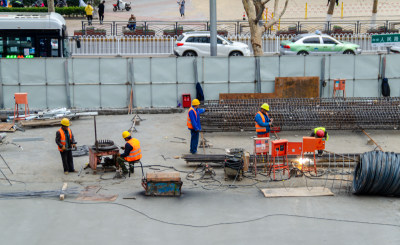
[207, 212]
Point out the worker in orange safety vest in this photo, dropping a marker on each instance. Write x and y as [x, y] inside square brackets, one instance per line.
[66, 142]
[263, 122]
[193, 124]
[132, 152]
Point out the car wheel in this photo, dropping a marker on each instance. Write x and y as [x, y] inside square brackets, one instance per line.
[236, 53]
[304, 53]
[349, 52]
[189, 53]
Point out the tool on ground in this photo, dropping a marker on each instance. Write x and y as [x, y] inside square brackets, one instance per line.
[62, 194]
[380, 148]
[135, 121]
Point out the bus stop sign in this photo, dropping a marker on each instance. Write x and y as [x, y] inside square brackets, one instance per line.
[385, 40]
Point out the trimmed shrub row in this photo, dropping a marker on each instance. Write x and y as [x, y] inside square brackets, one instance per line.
[66, 11]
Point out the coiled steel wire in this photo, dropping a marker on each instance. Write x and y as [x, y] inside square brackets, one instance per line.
[377, 173]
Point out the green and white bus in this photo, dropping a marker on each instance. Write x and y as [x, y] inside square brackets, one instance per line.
[27, 35]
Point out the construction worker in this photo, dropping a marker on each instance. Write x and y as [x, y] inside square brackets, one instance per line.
[65, 142]
[193, 124]
[132, 152]
[320, 132]
[263, 122]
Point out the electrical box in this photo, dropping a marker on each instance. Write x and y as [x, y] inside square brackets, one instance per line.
[186, 101]
[261, 145]
[340, 84]
[295, 148]
[279, 148]
[312, 144]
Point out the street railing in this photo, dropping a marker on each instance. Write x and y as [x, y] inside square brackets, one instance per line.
[164, 45]
[161, 28]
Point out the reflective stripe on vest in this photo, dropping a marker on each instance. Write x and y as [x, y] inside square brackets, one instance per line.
[189, 122]
[135, 154]
[63, 139]
[260, 129]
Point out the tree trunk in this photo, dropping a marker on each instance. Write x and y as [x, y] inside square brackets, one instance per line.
[330, 10]
[50, 6]
[374, 13]
[254, 10]
[375, 7]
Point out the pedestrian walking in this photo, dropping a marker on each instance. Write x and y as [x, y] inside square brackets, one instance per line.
[182, 8]
[89, 13]
[65, 142]
[101, 12]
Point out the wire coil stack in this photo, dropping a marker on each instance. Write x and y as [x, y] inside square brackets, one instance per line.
[377, 173]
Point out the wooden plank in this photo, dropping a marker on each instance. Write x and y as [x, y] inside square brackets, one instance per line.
[7, 127]
[64, 187]
[163, 176]
[297, 192]
[37, 123]
[285, 87]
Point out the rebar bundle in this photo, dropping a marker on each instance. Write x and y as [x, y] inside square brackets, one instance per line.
[304, 113]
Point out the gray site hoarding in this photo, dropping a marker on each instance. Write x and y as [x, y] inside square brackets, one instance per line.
[90, 83]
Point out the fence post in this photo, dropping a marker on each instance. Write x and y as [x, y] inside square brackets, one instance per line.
[176, 28]
[66, 78]
[145, 28]
[258, 75]
[1, 89]
[358, 27]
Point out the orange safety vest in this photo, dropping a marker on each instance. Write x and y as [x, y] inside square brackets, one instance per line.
[63, 139]
[260, 129]
[189, 122]
[136, 153]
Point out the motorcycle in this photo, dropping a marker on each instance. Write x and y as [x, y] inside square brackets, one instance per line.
[38, 3]
[122, 5]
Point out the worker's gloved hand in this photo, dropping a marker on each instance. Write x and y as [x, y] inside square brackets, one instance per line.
[63, 148]
[123, 147]
[74, 146]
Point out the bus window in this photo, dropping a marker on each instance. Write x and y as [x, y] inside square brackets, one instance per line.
[43, 47]
[1, 47]
[13, 45]
[27, 46]
[54, 47]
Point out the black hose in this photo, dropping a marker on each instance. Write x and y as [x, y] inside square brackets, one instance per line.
[377, 173]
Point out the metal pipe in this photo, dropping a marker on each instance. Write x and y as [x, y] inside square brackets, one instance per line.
[213, 27]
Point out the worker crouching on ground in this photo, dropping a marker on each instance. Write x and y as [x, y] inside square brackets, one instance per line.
[65, 142]
[263, 122]
[193, 123]
[320, 132]
[132, 152]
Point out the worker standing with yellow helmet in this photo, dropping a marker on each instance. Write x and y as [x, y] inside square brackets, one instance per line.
[193, 124]
[65, 142]
[263, 122]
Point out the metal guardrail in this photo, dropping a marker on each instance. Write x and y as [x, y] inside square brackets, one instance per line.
[164, 45]
[160, 28]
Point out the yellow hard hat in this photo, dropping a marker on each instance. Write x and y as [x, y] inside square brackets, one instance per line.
[65, 122]
[195, 102]
[265, 106]
[125, 134]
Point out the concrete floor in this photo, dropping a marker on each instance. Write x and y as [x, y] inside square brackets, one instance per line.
[218, 216]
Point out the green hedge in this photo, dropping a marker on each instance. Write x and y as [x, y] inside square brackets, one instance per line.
[68, 11]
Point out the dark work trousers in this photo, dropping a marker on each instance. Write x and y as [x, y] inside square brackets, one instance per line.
[194, 141]
[101, 16]
[67, 160]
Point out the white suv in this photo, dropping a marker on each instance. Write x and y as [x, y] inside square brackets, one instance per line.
[198, 44]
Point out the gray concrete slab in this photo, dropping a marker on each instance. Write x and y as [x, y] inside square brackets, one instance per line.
[208, 212]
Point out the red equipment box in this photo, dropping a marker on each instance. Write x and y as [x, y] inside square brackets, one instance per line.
[186, 100]
[295, 148]
[340, 84]
[279, 148]
[312, 144]
[261, 145]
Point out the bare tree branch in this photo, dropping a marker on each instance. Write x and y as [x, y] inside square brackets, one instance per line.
[265, 2]
[274, 19]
